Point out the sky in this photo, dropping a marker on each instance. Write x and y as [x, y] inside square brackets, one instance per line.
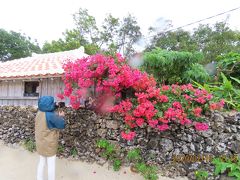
[45, 20]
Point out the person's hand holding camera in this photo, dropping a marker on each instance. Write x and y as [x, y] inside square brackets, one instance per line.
[58, 108]
[62, 114]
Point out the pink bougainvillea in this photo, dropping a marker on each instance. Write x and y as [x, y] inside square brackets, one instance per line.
[163, 127]
[201, 126]
[197, 111]
[128, 136]
[148, 105]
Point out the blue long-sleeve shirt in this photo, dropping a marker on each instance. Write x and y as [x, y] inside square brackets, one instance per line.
[46, 104]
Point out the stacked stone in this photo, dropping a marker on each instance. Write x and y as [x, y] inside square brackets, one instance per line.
[178, 151]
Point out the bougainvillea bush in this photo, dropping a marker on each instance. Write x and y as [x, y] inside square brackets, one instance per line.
[148, 105]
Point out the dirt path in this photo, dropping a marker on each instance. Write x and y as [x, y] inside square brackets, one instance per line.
[18, 164]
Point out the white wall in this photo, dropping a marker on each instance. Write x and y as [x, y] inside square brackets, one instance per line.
[11, 91]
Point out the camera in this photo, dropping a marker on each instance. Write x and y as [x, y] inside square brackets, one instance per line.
[60, 105]
[89, 103]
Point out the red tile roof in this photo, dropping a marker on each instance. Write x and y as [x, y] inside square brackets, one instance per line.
[39, 65]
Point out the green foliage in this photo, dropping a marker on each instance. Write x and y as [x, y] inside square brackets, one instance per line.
[224, 90]
[201, 175]
[14, 45]
[86, 25]
[236, 80]
[110, 152]
[134, 155]
[103, 143]
[74, 152]
[60, 149]
[227, 166]
[210, 40]
[170, 67]
[109, 149]
[117, 164]
[109, 31]
[54, 46]
[196, 73]
[129, 33]
[229, 64]
[113, 35]
[216, 40]
[228, 92]
[72, 40]
[205, 86]
[30, 145]
[179, 40]
[147, 171]
[91, 49]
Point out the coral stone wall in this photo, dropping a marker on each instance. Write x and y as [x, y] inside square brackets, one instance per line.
[178, 151]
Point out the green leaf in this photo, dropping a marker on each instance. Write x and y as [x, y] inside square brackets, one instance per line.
[226, 83]
[235, 173]
[235, 79]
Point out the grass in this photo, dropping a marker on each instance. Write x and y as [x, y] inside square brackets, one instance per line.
[30, 145]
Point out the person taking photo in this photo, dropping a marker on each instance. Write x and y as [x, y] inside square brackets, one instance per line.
[47, 126]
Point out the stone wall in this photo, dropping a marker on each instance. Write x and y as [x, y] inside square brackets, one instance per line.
[85, 127]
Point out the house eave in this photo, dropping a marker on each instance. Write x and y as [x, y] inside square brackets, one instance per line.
[30, 77]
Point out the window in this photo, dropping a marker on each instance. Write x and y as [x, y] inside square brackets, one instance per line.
[31, 89]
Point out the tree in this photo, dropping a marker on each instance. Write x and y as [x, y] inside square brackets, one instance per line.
[129, 33]
[229, 64]
[109, 33]
[169, 67]
[119, 35]
[216, 40]
[14, 45]
[114, 35]
[212, 41]
[86, 26]
[54, 46]
[178, 40]
[70, 41]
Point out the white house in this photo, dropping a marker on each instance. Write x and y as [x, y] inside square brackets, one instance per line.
[23, 81]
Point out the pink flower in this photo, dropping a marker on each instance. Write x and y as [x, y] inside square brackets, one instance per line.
[197, 111]
[60, 96]
[190, 87]
[153, 123]
[139, 111]
[74, 101]
[213, 106]
[139, 121]
[209, 97]
[163, 98]
[218, 105]
[123, 107]
[142, 97]
[163, 127]
[147, 102]
[200, 100]
[177, 105]
[170, 113]
[201, 126]
[165, 88]
[222, 102]
[163, 120]
[187, 97]
[185, 121]
[130, 120]
[128, 136]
